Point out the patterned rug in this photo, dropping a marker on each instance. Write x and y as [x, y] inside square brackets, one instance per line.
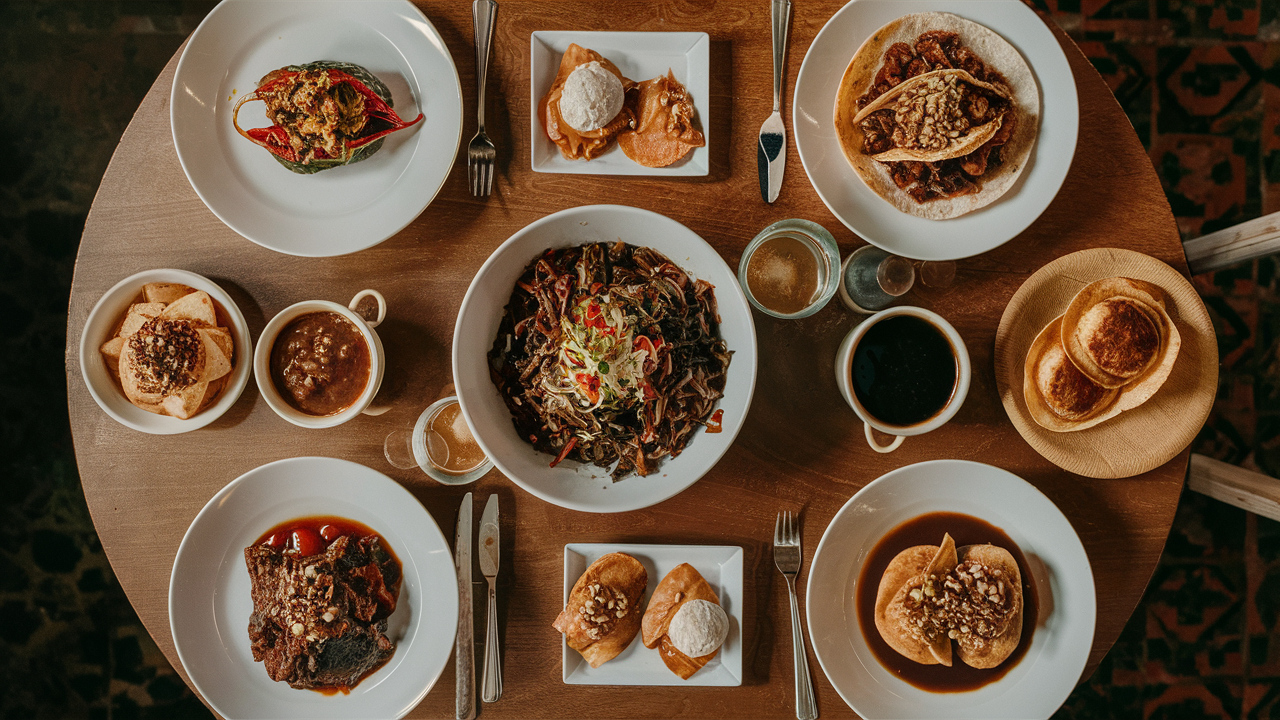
[1199, 80]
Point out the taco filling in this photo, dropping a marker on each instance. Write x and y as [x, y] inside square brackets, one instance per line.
[936, 116]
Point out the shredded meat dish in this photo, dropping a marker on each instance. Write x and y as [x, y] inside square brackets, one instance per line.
[925, 181]
[609, 354]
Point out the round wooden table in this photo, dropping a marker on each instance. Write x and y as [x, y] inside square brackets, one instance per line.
[801, 448]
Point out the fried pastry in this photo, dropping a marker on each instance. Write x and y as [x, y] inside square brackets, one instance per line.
[664, 130]
[930, 596]
[589, 142]
[602, 615]
[684, 621]
[170, 355]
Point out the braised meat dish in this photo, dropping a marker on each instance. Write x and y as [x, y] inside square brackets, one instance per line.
[320, 620]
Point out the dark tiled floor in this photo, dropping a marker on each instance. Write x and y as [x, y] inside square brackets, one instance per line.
[1199, 79]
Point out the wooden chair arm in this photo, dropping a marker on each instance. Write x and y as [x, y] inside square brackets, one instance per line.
[1233, 485]
[1236, 244]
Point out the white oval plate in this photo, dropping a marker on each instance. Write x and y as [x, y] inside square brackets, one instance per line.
[337, 211]
[106, 391]
[209, 602]
[1042, 680]
[571, 484]
[865, 212]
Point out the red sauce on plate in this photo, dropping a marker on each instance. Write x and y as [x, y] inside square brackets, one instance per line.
[928, 530]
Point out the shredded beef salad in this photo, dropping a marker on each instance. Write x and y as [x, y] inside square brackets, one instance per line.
[609, 353]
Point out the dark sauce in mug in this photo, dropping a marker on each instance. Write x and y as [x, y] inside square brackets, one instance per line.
[904, 370]
[928, 530]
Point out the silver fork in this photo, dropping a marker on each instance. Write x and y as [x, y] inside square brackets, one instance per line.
[481, 152]
[787, 556]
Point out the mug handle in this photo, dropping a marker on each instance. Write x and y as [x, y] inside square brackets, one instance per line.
[382, 305]
[897, 440]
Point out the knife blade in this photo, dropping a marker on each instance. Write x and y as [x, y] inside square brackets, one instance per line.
[491, 685]
[771, 155]
[464, 642]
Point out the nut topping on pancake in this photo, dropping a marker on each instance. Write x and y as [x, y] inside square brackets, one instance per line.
[169, 355]
[969, 604]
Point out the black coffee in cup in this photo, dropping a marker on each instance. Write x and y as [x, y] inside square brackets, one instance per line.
[904, 370]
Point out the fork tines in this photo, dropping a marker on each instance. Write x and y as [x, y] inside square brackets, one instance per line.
[480, 168]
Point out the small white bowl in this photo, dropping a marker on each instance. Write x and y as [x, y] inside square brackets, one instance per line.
[262, 358]
[104, 317]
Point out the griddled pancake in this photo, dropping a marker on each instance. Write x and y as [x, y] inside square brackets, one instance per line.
[1059, 396]
[1120, 336]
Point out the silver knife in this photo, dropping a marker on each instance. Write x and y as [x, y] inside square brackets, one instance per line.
[771, 152]
[491, 689]
[464, 643]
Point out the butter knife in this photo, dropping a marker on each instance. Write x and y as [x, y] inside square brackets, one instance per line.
[771, 152]
[464, 643]
[491, 688]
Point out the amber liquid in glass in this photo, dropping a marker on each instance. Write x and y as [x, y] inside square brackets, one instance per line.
[450, 446]
[783, 274]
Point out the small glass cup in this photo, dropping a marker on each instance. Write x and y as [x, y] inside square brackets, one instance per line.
[826, 258]
[871, 279]
[406, 448]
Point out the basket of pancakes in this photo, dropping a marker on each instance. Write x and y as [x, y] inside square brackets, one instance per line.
[169, 353]
[1109, 352]
[937, 114]
[939, 602]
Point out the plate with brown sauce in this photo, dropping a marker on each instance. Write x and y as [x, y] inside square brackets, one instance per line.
[977, 505]
[1042, 172]
[342, 209]
[315, 522]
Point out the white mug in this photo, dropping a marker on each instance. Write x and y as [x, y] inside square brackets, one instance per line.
[844, 378]
[267, 340]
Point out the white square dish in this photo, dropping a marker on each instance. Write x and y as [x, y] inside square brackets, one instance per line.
[640, 56]
[720, 565]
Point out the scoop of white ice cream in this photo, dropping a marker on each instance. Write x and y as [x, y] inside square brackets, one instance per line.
[592, 96]
[699, 627]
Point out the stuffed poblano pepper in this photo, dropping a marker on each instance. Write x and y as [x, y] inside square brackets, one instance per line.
[323, 114]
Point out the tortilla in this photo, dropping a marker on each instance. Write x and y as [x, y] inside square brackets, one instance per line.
[995, 52]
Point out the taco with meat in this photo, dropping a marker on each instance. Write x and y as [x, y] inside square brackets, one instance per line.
[937, 114]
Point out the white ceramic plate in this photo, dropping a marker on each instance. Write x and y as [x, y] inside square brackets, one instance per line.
[1041, 681]
[571, 484]
[209, 602]
[104, 317]
[866, 213]
[336, 211]
[719, 565]
[640, 56]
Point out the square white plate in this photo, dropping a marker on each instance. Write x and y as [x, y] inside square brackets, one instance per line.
[720, 565]
[640, 56]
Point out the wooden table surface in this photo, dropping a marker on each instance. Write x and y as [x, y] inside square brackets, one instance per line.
[801, 447]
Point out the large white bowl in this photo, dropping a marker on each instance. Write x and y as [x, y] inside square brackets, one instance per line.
[570, 484]
[106, 391]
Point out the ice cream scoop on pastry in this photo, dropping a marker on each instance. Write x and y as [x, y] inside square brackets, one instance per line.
[602, 615]
[684, 621]
[931, 596]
